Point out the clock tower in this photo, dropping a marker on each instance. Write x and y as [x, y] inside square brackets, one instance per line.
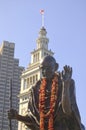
[33, 73]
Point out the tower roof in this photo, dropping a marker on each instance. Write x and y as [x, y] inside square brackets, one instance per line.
[42, 32]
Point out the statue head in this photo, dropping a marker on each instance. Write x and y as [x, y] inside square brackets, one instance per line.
[48, 66]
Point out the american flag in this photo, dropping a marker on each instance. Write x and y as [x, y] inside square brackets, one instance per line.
[42, 11]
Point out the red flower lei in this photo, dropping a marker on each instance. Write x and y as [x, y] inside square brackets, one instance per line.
[53, 98]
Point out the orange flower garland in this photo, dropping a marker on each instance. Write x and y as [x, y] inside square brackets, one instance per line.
[42, 106]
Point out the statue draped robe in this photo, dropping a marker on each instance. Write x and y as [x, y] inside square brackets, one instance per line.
[62, 120]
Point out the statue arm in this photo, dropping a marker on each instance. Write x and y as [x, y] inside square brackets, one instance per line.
[69, 104]
[74, 106]
[28, 119]
[13, 114]
[23, 119]
[66, 101]
[66, 81]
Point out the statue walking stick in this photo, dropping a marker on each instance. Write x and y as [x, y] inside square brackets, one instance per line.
[10, 97]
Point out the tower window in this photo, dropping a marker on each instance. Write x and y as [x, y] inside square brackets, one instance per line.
[25, 84]
[30, 80]
[33, 79]
[36, 77]
[44, 53]
[34, 59]
[38, 56]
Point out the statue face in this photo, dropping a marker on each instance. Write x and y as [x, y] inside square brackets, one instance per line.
[48, 69]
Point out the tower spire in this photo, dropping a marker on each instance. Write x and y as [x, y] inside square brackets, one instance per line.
[42, 15]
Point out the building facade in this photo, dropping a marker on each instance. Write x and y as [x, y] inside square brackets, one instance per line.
[9, 71]
[33, 73]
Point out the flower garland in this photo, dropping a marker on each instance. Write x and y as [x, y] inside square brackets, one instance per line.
[53, 98]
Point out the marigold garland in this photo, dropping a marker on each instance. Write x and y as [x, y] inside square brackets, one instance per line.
[53, 98]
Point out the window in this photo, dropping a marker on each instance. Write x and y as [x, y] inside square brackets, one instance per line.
[30, 80]
[25, 84]
[33, 79]
[36, 77]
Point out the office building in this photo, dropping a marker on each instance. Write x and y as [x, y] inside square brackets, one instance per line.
[10, 72]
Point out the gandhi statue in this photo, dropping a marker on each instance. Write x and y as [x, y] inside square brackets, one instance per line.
[52, 102]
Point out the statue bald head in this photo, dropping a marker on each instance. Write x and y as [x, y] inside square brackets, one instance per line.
[48, 66]
[49, 59]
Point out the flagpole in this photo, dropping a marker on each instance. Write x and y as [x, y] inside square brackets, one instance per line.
[42, 20]
[10, 98]
[42, 14]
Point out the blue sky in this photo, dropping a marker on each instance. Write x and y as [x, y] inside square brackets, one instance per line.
[65, 22]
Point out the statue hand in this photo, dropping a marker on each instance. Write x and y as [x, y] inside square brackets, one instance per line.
[66, 73]
[12, 114]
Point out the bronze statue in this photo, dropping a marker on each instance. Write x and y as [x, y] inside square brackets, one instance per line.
[52, 102]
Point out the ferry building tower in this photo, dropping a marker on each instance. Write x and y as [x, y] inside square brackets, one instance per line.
[32, 74]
